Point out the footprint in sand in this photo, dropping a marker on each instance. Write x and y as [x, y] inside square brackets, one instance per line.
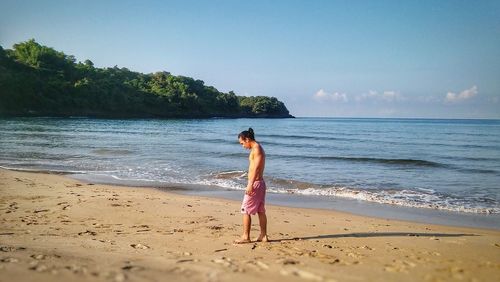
[107, 241]
[225, 261]
[120, 232]
[88, 232]
[65, 205]
[39, 267]
[12, 207]
[144, 228]
[102, 226]
[11, 249]
[41, 210]
[131, 267]
[38, 257]
[9, 260]
[354, 255]
[7, 233]
[139, 246]
[77, 269]
[287, 261]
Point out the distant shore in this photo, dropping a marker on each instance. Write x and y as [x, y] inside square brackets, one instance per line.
[138, 116]
[54, 228]
[55, 85]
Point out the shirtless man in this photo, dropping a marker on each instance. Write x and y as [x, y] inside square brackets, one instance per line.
[255, 193]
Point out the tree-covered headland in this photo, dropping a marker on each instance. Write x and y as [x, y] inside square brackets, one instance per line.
[36, 80]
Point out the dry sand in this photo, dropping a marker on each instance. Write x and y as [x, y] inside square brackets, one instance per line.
[53, 228]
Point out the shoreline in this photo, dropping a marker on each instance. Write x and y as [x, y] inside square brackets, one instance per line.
[339, 204]
[55, 228]
[365, 209]
[352, 206]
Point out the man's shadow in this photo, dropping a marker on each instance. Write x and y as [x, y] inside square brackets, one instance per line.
[374, 234]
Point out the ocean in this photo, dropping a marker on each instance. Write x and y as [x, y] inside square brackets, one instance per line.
[449, 167]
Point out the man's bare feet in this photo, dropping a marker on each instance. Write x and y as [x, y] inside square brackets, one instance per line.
[242, 241]
[262, 238]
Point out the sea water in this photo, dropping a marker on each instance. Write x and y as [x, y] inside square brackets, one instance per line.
[428, 164]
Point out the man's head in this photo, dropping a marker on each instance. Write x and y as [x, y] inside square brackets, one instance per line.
[246, 138]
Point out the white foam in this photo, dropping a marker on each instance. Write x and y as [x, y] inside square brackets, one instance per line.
[43, 170]
[406, 198]
[419, 198]
[222, 183]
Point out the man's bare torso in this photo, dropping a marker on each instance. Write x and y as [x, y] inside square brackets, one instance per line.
[257, 154]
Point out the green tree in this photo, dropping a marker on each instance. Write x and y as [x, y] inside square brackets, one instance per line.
[38, 80]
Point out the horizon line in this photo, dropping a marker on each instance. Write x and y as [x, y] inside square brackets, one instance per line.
[427, 118]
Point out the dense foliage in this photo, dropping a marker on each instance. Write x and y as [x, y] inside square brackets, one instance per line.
[36, 80]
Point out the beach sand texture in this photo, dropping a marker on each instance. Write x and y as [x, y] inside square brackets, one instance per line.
[53, 228]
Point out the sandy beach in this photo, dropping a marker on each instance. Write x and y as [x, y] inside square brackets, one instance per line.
[53, 228]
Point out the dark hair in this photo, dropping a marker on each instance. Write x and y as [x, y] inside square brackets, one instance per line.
[247, 134]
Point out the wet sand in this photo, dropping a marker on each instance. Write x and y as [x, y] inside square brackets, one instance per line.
[53, 228]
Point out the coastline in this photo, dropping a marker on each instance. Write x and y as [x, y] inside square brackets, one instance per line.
[55, 228]
[348, 205]
[364, 208]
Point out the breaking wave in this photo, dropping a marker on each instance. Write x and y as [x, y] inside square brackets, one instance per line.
[417, 198]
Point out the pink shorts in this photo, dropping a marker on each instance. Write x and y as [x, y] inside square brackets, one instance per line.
[255, 203]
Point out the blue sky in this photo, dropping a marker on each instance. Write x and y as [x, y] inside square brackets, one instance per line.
[322, 58]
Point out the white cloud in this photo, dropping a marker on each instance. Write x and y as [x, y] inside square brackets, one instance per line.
[464, 95]
[388, 96]
[322, 95]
